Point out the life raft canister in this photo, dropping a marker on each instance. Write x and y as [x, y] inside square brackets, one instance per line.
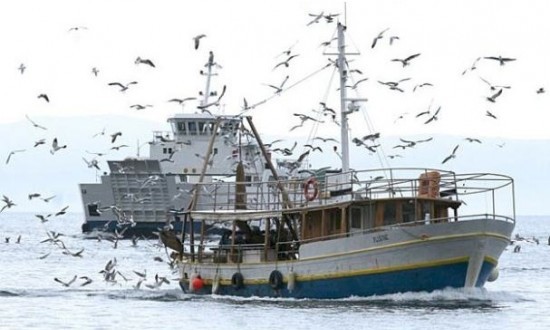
[311, 189]
[276, 280]
[237, 281]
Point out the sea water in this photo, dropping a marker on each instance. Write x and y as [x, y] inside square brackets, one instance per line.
[31, 298]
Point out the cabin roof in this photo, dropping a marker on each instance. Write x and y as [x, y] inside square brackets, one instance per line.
[228, 215]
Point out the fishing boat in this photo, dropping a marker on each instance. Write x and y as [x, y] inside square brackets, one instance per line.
[345, 232]
[141, 195]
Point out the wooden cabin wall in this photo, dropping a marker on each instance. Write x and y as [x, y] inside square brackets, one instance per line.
[313, 226]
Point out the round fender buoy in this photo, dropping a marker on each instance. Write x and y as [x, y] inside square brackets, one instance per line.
[291, 283]
[237, 281]
[493, 275]
[195, 282]
[275, 279]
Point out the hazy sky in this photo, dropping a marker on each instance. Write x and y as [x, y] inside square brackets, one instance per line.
[247, 38]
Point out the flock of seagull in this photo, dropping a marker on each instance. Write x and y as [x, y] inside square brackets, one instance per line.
[369, 142]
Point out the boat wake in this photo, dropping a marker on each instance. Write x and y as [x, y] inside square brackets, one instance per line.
[440, 299]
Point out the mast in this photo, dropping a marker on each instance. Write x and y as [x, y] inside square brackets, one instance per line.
[208, 75]
[343, 77]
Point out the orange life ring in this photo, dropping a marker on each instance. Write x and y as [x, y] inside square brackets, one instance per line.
[311, 189]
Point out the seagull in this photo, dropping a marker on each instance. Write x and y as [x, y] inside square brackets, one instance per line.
[434, 117]
[452, 155]
[489, 114]
[380, 35]
[76, 28]
[8, 203]
[394, 85]
[66, 284]
[35, 124]
[197, 39]
[42, 218]
[325, 139]
[33, 195]
[354, 86]
[392, 38]
[86, 279]
[493, 97]
[22, 68]
[39, 142]
[95, 71]
[13, 152]
[285, 62]
[472, 140]
[140, 60]
[56, 146]
[123, 88]
[473, 67]
[114, 136]
[500, 59]
[494, 87]
[280, 88]
[421, 85]
[91, 163]
[120, 146]
[73, 254]
[181, 101]
[45, 97]
[140, 107]
[48, 199]
[316, 19]
[541, 90]
[217, 102]
[405, 61]
[100, 133]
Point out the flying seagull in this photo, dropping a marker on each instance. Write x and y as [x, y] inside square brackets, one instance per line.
[22, 68]
[452, 155]
[489, 114]
[114, 136]
[500, 59]
[56, 146]
[45, 97]
[13, 152]
[493, 97]
[123, 88]
[140, 107]
[35, 124]
[77, 28]
[140, 60]
[95, 71]
[66, 284]
[494, 87]
[197, 39]
[280, 88]
[181, 101]
[8, 203]
[285, 62]
[379, 36]
[405, 61]
[316, 19]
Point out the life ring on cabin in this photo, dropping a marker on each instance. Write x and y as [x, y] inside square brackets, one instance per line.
[237, 281]
[311, 189]
[276, 280]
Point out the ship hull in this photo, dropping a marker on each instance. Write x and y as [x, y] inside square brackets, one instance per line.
[419, 258]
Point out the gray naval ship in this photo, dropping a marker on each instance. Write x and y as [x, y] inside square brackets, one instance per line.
[138, 196]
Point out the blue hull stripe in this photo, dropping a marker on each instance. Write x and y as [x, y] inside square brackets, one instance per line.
[410, 280]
